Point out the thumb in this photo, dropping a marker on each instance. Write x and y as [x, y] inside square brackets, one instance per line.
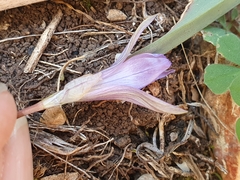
[15, 147]
[8, 115]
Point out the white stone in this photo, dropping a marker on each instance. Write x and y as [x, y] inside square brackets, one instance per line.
[146, 177]
[116, 15]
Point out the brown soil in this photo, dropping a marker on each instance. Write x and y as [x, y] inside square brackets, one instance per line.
[118, 126]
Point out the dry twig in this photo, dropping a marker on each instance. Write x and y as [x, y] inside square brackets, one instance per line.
[42, 43]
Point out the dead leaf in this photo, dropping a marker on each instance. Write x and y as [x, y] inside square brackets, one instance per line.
[154, 88]
[63, 176]
[57, 145]
[182, 87]
[54, 116]
[195, 94]
[226, 145]
[39, 170]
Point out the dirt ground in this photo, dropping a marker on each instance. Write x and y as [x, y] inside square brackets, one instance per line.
[106, 140]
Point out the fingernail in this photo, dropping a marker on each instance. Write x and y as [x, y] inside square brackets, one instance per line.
[3, 87]
[20, 122]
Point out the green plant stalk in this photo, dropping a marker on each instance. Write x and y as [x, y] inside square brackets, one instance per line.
[197, 15]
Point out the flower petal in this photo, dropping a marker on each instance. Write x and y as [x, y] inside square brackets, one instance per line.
[165, 73]
[138, 71]
[72, 92]
[133, 95]
[133, 40]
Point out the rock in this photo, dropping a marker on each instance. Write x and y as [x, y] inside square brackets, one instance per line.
[116, 15]
[146, 177]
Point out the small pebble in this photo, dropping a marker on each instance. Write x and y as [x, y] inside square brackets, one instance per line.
[116, 15]
[146, 177]
[173, 136]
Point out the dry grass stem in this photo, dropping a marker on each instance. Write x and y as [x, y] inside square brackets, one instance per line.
[63, 160]
[118, 164]
[37, 35]
[200, 93]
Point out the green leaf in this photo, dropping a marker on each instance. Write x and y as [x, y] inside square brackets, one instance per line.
[235, 90]
[219, 77]
[222, 20]
[238, 129]
[227, 43]
[229, 47]
[234, 14]
[212, 34]
[197, 15]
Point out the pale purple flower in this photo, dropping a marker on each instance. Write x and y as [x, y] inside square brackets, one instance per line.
[122, 81]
